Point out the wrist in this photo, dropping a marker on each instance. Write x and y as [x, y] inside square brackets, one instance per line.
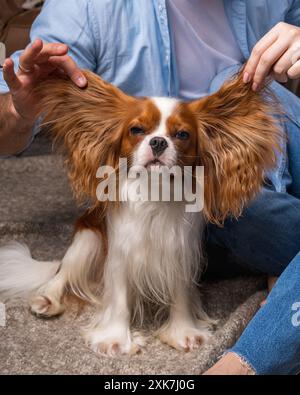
[26, 121]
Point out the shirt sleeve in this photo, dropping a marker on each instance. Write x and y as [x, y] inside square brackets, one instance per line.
[70, 22]
[293, 15]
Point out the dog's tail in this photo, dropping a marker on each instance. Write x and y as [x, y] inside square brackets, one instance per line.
[20, 274]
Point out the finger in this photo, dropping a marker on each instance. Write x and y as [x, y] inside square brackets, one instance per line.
[10, 77]
[29, 55]
[70, 68]
[283, 78]
[52, 49]
[267, 60]
[294, 72]
[261, 46]
[281, 67]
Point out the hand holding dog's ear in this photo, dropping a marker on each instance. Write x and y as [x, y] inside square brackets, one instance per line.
[37, 63]
[238, 139]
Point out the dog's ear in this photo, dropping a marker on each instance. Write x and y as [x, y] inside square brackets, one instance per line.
[237, 141]
[87, 124]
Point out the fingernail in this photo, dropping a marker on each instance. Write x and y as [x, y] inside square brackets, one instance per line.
[37, 41]
[81, 81]
[246, 78]
[255, 87]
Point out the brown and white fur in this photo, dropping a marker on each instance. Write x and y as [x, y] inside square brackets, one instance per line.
[126, 254]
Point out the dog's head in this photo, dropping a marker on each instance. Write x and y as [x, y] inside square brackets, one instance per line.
[231, 133]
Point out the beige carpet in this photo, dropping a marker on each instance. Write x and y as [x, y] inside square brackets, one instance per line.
[36, 206]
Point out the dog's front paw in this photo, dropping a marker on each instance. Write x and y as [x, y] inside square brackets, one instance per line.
[183, 337]
[45, 306]
[114, 342]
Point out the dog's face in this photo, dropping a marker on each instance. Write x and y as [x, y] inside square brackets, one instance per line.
[159, 132]
[231, 133]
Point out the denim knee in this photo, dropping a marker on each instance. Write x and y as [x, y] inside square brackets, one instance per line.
[266, 236]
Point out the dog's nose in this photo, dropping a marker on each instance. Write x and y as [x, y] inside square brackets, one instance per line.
[158, 145]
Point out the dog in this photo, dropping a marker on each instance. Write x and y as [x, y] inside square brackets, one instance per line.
[126, 255]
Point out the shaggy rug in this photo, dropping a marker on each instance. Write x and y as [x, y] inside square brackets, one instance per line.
[36, 207]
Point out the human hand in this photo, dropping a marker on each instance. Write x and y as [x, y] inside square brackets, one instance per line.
[37, 62]
[276, 54]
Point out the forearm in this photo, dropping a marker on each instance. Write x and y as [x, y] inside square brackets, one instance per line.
[15, 132]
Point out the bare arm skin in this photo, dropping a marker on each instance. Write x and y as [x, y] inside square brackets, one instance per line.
[18, 108]
[229, 365]
[15, 132]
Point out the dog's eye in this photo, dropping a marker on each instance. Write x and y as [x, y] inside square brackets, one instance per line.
[136, 130]
[182, 135]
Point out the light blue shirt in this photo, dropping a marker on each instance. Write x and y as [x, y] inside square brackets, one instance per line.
[203, 44]
[128, 43]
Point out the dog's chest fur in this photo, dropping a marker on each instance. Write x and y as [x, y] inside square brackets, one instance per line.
[158, 243]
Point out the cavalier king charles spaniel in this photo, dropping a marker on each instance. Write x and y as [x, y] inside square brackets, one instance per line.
[129, 255]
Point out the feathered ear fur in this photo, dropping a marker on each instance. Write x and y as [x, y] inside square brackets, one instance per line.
[86, 124]
[238, 139]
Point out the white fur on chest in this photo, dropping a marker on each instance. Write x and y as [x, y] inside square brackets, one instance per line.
[158, 244]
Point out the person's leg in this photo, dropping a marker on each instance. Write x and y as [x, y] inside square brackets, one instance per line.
[266, 238]
[274, 333]
[271, 342]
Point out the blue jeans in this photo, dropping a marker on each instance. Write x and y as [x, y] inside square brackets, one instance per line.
[267, 240]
